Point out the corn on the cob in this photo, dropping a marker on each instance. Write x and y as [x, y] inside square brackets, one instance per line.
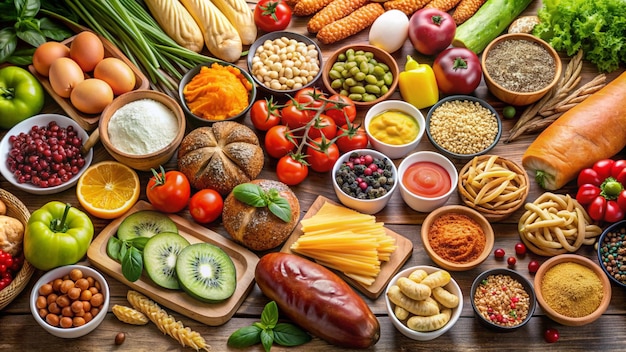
[443, 5]
[129, 315]
[466, 9]
[291, 3]
[177, 22]
[309, 7]
[406, 6]
[336, 10]
[350, 25]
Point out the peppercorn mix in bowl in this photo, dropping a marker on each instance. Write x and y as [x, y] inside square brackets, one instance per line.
[457, 238]
[572, 290]
[463, 126]
[364, 180]
[519, 68]
[423, 302]
[394, 127]
[502, 299]
[612, 252]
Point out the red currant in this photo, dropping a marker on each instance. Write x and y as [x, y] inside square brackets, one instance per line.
[533, 266]
[511, 261]
[551, 335]
[499, 253]
[520, 248]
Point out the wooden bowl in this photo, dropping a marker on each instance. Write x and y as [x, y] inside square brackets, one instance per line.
[490, 210]
[143, 162]
[463, 210]
[16, 209]
[513, 97]
[379, 55]
[563, 319]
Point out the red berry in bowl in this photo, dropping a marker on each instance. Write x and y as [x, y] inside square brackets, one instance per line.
[520, 248]
[499, 253]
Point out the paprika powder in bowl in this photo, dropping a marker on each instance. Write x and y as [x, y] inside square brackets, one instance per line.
[427, 180]
[457, 238]
[394, 127]
[572, 289]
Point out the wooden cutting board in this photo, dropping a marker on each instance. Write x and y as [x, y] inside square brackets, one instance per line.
[388, 269]
[213, 314]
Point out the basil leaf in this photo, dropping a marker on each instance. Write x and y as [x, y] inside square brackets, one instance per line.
[123, 251]
[267, 339]
[53, 30]
[290, 335]
[250, 194]
[269, 316]
[33, 37]
[22, 57]
[114, 245]
[8, 43]
[139, 242]
[281, 208]
[27, 8]
[132, 264]
[246, 336]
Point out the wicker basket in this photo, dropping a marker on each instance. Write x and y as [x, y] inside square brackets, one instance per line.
[16, 209]
[501, 212]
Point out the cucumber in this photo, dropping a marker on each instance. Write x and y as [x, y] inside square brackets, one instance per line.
[487, 23]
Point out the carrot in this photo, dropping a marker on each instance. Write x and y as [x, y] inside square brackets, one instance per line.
[592, 130]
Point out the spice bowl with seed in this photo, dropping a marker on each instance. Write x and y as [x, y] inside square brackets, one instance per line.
[284, 62]
[572, 290]
[612, 252]
[216, 91]
[519, 68]
[456, 237]
[502, 299]
[463, 126]
[364, 180]
[394, 127]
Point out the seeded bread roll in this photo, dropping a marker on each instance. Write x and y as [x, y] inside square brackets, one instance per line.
[257, 228]
[220, 156]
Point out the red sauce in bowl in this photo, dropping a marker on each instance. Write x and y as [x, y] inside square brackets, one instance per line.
[427, 179]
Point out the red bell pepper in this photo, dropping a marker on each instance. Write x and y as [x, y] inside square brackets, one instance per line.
[601, 190]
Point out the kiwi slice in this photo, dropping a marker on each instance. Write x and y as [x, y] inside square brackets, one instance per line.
[159, 258]
[145, 223]
[206, 272]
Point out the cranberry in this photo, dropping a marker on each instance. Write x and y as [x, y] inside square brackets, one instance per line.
[511, 261]
[533, 266]
[551, 335]
[520, 248]
[499, 253]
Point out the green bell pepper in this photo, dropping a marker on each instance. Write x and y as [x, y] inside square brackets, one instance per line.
[57, 234]
[21, 96]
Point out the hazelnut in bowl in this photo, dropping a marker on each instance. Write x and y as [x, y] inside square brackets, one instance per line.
[572, 290]
[611, 243]
[502, 299]
[457, 238]
[70, 301]
[394, 127]
[423, 302]
[216, 91]
[519, 68]
[364, 180]
[365, 73]
[463, 126]
[284, 62]
[427, 180]
[142, 128]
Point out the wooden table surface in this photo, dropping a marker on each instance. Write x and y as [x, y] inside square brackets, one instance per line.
[19, 331]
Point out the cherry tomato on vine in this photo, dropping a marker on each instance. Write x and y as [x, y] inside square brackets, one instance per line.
[264, 114]
[341, 114]
[272, 15]
[354, 137]
[168, 191]
[323, 154]
[295, 116]
[277, 141]
[291, 170]
[206, 206]
[323, 125]
[310, 97]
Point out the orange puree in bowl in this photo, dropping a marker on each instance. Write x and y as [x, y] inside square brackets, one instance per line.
[427, 179]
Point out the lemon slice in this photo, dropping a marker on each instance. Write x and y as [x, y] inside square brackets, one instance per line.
[108, 189]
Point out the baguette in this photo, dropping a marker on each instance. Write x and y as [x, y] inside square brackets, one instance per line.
[592, 130]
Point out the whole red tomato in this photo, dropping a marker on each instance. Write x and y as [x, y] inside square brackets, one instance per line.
[322, 154]
[168, 191]
[457, 71]
[272, 15]
[431, 30]
[296, 115]
[352, 137]
[310, 97]
[341, 113]
[279, 141]
[206, 206]
[291, 170]
[264, 114]
[323, 125]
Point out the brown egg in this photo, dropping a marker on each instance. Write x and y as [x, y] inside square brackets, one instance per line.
[117, 74]
[87, 50]
[64, 75]
[91, 96]
[46, 53]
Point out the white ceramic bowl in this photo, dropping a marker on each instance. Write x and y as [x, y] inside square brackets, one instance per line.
[452, 287]
[74, 332]
[25, 126]
[391, 150]
[367, 206]
[422, 203]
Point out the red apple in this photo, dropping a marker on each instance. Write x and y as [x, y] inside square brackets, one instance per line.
[431, 30]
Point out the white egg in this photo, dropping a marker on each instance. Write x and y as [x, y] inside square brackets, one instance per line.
[390, 31]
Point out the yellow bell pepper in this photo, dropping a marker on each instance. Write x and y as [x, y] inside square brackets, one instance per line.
[418, 85]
